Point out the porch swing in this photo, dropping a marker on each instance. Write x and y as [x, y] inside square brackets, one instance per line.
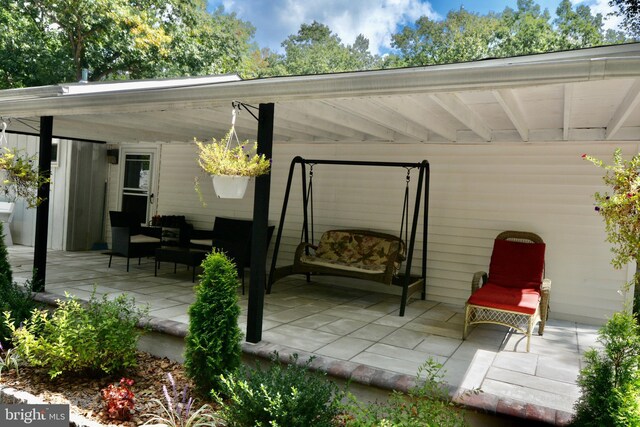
[358, 253]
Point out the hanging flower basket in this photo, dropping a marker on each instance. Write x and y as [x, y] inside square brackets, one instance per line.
[230, 186]
[218, 159]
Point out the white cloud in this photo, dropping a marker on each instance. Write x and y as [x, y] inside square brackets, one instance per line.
[602, 7]
[275, 20]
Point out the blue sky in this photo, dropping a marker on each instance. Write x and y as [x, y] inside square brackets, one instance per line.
[275, 20]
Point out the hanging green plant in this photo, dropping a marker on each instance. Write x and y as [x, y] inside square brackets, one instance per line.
[21, 178]
[218, 158]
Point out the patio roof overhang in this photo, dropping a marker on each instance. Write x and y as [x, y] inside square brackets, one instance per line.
[589, 94]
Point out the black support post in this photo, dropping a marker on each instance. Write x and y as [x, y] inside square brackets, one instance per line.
[260, 224]
[42, 212]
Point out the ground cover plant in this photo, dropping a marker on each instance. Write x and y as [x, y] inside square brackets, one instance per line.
[426, 404]
[278, 396]
[212, 345]
[97, 338]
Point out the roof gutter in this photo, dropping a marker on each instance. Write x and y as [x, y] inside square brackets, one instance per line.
[459, 77]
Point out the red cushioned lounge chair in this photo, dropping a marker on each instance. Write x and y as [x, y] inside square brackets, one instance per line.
[514, 293]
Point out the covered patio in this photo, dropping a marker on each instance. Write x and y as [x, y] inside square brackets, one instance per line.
[354, 334]
[503, 137]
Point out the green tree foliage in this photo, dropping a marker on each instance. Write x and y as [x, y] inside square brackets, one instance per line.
[578, 28]
[316, 50]
[462, 36]
[212, 346]
[465, 36]
[524, 30]
[49, 42]
[629, 10]
[620, 210]
[30, 56]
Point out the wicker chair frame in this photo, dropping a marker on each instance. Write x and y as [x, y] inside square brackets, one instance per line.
[524, 323]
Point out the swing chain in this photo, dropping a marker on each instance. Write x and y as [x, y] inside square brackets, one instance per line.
[309, 200]
[404, 221]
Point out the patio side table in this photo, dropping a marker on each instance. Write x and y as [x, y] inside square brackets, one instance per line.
[177, 255]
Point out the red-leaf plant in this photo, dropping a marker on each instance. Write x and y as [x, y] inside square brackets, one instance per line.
[119, 400]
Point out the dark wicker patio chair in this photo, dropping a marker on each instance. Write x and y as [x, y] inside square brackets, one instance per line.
[131, 240]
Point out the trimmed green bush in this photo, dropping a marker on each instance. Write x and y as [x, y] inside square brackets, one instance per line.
[212, 346]
[427, 404]
[288, 396]
[610, 381]
[99, 338]
[16, 299]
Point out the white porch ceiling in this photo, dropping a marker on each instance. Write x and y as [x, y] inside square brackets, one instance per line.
[593, 95]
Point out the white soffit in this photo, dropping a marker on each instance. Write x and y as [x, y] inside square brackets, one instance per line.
[589, 94]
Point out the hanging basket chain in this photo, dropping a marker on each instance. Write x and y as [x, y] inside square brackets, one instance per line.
[3, 133]
[232, 131]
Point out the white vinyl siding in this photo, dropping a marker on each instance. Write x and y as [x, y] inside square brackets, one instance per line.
[476, 191]
[23, 223]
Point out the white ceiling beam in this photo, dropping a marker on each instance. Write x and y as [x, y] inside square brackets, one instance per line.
[627, 106]
[218, 123]
[416, 111]
[511, 106]
[330, 110]
[454, 106]
[566, 115]
[397, 120]
[378, 112]
[308, 118]
[74, 128]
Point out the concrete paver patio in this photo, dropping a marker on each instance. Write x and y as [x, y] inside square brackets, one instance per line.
[362, 328]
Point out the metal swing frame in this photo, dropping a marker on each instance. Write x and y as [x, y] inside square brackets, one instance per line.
[406, 280]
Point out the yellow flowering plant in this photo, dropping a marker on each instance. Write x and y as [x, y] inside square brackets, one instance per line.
[21, 177]
[218, 158]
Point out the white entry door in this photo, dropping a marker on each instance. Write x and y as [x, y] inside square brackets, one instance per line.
[139, 181]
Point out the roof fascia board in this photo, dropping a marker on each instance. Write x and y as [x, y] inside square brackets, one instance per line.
[128, 85]
[385, 82]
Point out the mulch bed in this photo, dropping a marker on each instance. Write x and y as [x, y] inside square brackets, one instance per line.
[83, 393]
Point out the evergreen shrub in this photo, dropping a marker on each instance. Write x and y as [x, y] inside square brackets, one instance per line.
[610, 380]
[212, 346]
